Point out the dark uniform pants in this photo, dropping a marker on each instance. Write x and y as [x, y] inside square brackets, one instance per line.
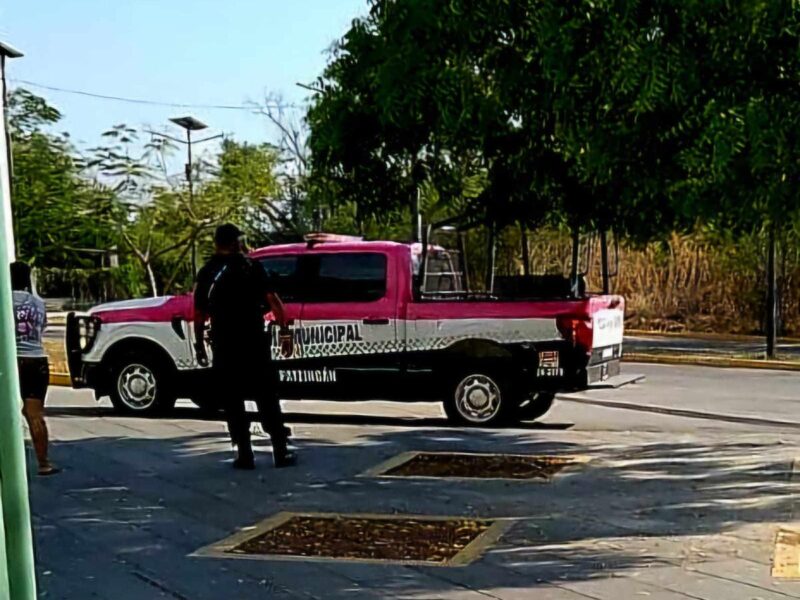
[245, 373]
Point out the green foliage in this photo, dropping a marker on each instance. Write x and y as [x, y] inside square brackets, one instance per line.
[73, 213]
[57, 214]
[637, 116]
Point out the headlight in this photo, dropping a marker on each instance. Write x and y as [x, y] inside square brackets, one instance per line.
[87, 332]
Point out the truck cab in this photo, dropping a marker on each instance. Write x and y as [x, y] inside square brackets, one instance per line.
[370, 320]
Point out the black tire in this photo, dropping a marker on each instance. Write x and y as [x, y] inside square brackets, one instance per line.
[535, 406]
[141, 385]
[486, 404]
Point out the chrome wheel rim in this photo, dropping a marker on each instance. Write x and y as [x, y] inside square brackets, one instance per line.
[478, 398]
[136, 386]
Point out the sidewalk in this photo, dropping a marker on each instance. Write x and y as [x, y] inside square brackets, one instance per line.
[683, 515]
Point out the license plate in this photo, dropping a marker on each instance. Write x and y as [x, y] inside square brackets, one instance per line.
[549, 364]
[608, 352]
[549, 372]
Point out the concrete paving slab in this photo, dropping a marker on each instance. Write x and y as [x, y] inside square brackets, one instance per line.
[753, 574]
[705, 586]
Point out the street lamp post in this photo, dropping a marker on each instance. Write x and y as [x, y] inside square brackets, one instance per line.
[17, 575]
[190, 124]
[6, 51]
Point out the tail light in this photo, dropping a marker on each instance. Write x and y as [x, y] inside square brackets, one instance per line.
[577, 330]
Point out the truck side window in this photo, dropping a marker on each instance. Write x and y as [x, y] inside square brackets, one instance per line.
[349, 277]
[282, 272]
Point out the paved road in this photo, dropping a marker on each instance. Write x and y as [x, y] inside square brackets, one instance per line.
[743, 348]
[669, 506]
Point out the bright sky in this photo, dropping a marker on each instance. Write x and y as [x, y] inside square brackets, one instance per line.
[186, 51]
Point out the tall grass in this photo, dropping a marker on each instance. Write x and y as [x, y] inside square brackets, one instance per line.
[704, 281]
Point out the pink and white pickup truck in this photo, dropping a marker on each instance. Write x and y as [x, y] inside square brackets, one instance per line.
[371, 320]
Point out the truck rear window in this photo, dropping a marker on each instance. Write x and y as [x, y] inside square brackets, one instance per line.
[350, 277]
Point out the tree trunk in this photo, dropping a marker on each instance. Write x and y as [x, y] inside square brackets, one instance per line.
[573, 273]
[416, 233]
[492, 254]
[604, 261]
[176, 270]
[194, 259]
[152, 277]
[526, 258]
[772, 296]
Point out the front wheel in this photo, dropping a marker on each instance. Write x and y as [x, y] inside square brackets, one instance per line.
[477, 399]
[141, 386]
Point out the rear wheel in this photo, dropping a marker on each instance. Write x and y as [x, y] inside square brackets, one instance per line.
[477, 399]
[141, 385]
[535, 406]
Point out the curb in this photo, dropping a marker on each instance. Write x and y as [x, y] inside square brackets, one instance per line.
[60, 380]
[681, 412]
[712, 361]
[691, 335]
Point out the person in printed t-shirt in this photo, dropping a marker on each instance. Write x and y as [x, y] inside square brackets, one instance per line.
[30, 319]
[234, 293]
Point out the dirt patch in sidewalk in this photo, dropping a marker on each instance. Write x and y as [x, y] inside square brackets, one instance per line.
[371, 538]
[480, 466]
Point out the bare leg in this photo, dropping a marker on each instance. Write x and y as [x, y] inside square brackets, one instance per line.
[33, 411]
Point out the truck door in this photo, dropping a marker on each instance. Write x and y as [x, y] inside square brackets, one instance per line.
[287, 275]
[347, 342]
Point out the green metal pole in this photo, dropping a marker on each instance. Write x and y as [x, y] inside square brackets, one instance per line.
[5, 592]
[16, 520]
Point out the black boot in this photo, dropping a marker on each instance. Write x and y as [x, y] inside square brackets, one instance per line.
[245, 459]
[281, 455]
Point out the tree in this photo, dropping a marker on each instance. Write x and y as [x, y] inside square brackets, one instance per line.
[251, 187]
[155, 219]
[293, 164]
[390, 104]
[736, 139]
[58, 215]
[508, 94]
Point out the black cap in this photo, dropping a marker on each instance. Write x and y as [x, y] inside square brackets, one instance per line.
[20, 276]
[227, 234]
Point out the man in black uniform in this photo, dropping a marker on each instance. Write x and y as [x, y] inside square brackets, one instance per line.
[234, 293]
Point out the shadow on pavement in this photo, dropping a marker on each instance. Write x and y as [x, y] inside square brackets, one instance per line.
[128, 505]
[181, 413]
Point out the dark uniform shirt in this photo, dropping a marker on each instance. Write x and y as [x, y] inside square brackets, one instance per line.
[232, 290]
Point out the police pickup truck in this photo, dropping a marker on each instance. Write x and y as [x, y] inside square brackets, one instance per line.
[370, 320]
